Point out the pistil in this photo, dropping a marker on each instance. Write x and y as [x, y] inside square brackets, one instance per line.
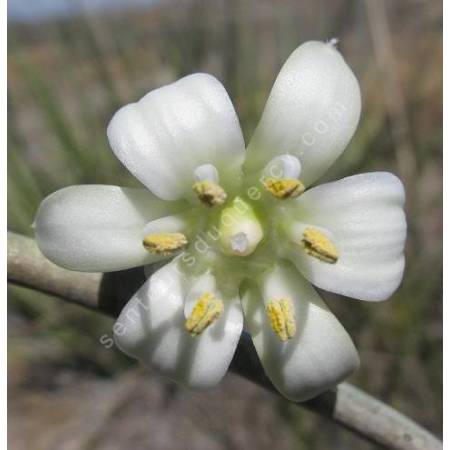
[240, 231]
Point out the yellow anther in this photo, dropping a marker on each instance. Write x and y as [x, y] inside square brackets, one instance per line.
[207, 309]
[282, 318]
[209, 193]
[164, 243]
[284, 188]
[318, 245]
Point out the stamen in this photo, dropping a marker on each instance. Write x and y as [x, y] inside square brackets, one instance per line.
[284, 188]
[210, 193]
[318, 245]
[206, 310]
[282, 318]
[164, 243]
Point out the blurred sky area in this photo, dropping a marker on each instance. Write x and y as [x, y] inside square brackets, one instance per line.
[26, 11]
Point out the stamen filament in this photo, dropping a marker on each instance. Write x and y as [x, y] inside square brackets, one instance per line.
[283, 166]
[206, 172]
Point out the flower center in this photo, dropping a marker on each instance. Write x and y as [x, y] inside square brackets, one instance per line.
[240, 231]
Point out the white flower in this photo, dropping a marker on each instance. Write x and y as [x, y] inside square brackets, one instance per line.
[247, 239]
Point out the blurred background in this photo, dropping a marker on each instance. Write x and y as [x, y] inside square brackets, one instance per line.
[72, 64]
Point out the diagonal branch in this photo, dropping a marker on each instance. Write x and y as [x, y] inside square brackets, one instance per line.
[346, 405]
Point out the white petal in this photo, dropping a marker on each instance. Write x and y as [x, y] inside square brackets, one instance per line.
[178, 223]
[151, 329]
[97, 228]
[365, 216]
[320, 355]
[312, 112]
[171, 131]
[206, 282]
